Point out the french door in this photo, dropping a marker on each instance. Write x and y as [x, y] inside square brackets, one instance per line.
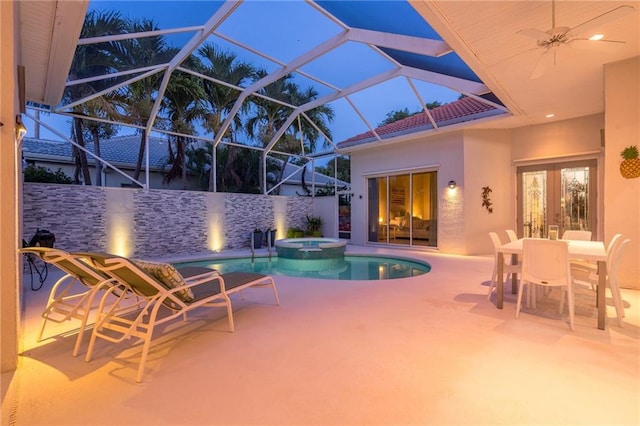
[562, 194]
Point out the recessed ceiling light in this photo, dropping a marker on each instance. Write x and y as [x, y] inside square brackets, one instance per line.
[550, 115]
[596, 37]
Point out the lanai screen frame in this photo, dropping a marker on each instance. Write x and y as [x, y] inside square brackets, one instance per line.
[392, 29]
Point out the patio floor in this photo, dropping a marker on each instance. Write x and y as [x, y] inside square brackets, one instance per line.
[422, 350]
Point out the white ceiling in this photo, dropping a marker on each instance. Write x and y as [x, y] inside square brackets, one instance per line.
[483, 33]
[48, 33]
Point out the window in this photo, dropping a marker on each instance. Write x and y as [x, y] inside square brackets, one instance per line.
[403, 209]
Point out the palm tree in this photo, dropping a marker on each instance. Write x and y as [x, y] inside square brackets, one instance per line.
[91, 60]
[220, 99]
[138, 97]
[97, 130]
[198, 162]
[183, 105]
[271, 116]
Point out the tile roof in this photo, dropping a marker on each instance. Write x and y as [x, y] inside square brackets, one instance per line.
[120, 150]
[320, 179]
[465, 109]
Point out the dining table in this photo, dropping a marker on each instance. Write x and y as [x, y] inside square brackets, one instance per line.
[586, 250]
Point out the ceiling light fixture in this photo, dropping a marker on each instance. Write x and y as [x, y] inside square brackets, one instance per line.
[550, 115]
[596, 37]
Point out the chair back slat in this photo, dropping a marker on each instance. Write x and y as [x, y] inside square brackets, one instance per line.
[126, 272]
[545, 261]
[615, 259]
[69, 263]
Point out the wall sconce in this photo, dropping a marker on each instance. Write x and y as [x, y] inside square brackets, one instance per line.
[21, 131]
[452, 184]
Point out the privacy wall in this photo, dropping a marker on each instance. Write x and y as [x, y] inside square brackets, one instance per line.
[155, 223]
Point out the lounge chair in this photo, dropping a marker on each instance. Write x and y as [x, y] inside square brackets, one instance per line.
[166, 295]
[72, 296]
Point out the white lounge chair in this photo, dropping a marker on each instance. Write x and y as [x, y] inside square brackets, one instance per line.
[163, 289]
[72, 296]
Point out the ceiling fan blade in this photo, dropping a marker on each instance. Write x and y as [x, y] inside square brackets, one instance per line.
[534, 33]
[545, 61]
[609, 16]
[597, 45]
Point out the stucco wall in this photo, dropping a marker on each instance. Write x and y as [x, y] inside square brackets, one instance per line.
[565, 140]
[443, 153]
[559, 139]
[155, 223]
[475, 159]
[9, 223]
[622, 196]
[487, 159]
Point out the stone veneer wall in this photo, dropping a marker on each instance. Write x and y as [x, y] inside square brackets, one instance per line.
[157, 223]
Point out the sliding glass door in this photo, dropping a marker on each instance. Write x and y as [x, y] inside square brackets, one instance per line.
[403, 209]
[562, 194]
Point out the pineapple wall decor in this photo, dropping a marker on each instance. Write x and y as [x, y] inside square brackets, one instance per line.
[630, 166]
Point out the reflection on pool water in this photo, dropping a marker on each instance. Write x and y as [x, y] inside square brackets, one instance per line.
[347, 268]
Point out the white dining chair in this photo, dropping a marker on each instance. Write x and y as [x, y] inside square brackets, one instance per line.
[511, 234]
[590, 276]
[508, 267]
[582, 268]
[546, 263]
[575, 234]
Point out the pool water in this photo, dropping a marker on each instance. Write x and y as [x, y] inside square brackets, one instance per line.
[347, 268]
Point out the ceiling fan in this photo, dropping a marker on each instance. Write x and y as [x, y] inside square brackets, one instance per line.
[559, 38]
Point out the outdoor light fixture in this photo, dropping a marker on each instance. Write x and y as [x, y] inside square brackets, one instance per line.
[21, 131]
[452, 184]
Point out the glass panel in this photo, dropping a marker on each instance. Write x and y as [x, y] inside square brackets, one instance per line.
[575, 198]
[534, 212]
[344, 216]
[400, 210]
[377, 191]
[424, 209]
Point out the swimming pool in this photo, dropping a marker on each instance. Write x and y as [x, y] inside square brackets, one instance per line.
[351, 267]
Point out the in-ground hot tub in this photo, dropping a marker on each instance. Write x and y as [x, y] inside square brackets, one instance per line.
[310, 248]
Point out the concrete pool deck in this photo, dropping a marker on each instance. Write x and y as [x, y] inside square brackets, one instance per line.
[423, 350]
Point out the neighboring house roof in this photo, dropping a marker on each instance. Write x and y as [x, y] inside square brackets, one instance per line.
[119, 151]
[320, 180]
[122, 151]
[465, 109]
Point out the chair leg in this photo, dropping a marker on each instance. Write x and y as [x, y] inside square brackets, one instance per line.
[617, 301]
[519, 300]
[145, 353]
[275, 291]
[570, 301]
[83, 325]
[227, 301]
[44, 322]
[494, 280]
